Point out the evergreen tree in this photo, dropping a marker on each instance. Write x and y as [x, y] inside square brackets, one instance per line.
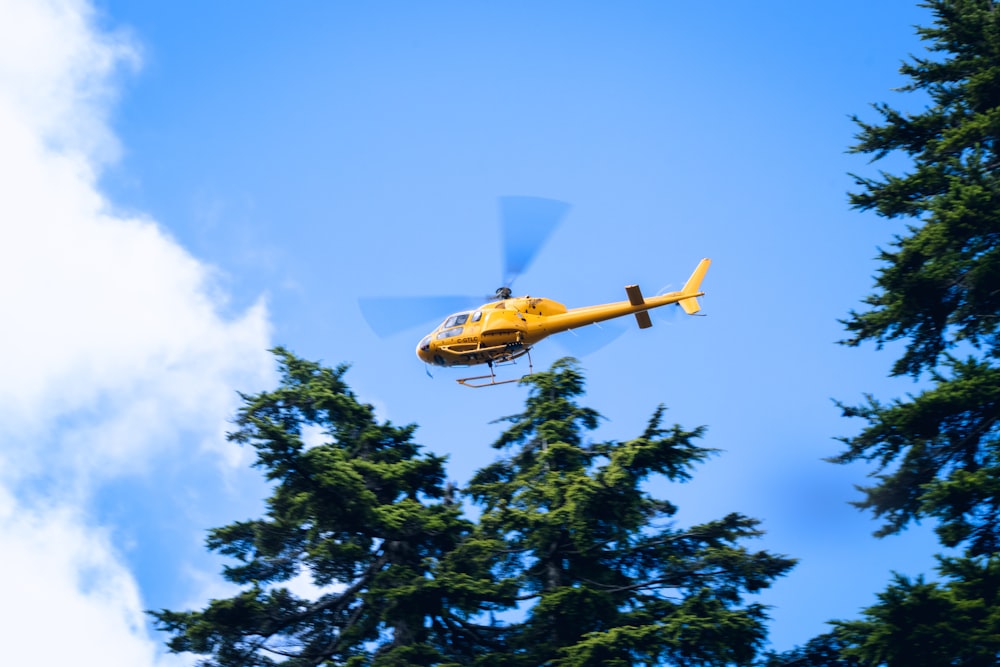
[953, 622]
[610, 581]
[826, 650]
[938, 452]
[367, 517]
[401, 578]
[928, 624]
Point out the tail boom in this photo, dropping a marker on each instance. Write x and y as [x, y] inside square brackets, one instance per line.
[637, 305]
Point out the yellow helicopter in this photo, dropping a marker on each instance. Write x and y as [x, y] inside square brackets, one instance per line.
[500, 332]
[504, 330]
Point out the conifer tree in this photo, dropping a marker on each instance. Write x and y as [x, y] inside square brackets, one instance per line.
[937, 452]
[567, 530]
[608, 577]
[953, 621]
[367, 517]
[826, 650]
[917, 623]
[938, 290]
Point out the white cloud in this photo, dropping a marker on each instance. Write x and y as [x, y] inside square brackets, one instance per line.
[115, 348]
[67, 600]
[58, 71]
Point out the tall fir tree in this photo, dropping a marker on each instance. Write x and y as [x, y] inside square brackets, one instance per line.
[938, 452]
[826, 650]
[953, 621]
[917, 623]
[609, 580]
[367, 517]
[567, 531]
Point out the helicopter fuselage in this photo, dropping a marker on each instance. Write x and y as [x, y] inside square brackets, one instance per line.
[504, 330]
[495, 332]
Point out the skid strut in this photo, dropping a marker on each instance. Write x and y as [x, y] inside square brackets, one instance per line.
[491, 380]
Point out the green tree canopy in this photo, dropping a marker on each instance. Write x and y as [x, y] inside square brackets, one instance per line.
[938, 452]
[917, 623]
[826, 650]
[571, 560]
[610, 579]
[365, 516]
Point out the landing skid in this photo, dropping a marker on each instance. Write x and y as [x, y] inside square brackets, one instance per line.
[480, 381]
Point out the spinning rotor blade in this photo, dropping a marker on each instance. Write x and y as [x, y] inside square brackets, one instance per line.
[393, 314]
[591, 338]
[527, 223]
[667, 314]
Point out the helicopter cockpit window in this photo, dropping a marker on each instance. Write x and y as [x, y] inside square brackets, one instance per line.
[455, 320]
[476, 316]
[449, 333]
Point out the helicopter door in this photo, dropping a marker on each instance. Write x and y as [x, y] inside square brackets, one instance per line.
[502, 327]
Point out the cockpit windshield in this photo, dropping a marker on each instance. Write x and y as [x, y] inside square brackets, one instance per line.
[455, 320]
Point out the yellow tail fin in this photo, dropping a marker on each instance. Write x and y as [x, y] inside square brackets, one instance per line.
[690, 304]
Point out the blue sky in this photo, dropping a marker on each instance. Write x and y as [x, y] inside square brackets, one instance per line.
[188, 184]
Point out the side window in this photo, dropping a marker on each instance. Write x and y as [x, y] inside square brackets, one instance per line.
[449, 333]
[476, 316]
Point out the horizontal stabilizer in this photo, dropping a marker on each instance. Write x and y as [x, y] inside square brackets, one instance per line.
[636, 299]
[634, 295]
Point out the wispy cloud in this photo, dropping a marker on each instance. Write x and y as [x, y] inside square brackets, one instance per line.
[115, 347]
[67, 598]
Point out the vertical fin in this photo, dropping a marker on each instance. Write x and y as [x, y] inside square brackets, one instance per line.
[694, 282]
[691, 305]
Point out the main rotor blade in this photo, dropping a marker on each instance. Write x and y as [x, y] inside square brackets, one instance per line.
[591, 338]
[527, 223]
[393, 314]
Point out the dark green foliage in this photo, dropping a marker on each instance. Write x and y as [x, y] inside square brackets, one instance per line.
[946, 465]
[936, 452]
[927, 624]
[953, 622]
[939, 288]
[567, 531]
[611, 581]
[827, 650]
[366, 516]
